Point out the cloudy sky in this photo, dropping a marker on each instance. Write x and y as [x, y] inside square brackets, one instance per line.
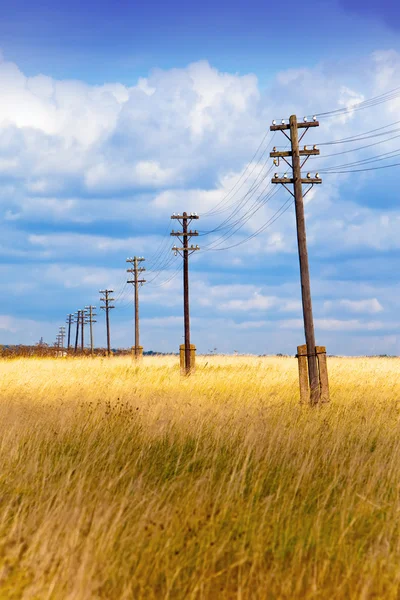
[114, 115]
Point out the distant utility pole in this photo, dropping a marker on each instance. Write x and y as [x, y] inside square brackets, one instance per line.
[83, 323]
[184, 237]
[69, 321]
[61, 335]
[136, 270]
[91, 321]
[297, 180]
[107, 307]
[78, 321]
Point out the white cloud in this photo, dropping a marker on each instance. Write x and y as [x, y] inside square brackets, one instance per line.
[74, 154]
[367, 306]
[104, 176]
[13, 325]
[255, 302]
[84, 244]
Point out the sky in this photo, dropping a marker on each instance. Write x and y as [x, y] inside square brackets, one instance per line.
[115, 115]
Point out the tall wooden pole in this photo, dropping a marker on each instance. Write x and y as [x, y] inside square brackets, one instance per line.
[186, 292]
[69, 331]
[304, 267]
[296, 154]
[91, 330]
[136, 282]
[108, 331]
[184, 236]
[82, 331]
[78, 319]
[91, 321]
[107, 307]
[61, 336]
[137, 342]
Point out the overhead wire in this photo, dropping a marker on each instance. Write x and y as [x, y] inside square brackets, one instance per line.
[362, 170]
[356, 149]
[170, 278]
[242, 222]
[246, 198]
[214, 211]
[286, 205]
[371, 159]
[357, 106]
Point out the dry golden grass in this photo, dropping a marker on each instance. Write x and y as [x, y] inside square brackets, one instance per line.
[119, 481]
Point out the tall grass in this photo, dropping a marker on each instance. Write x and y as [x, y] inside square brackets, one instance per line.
[120, 481]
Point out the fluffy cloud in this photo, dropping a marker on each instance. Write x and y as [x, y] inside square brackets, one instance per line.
[368, 306]
[90, 174]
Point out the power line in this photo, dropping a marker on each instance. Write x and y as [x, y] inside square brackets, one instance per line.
[364, 135]
[226, 223]
[361, 147]
[371, 159]
[371, 102]
[265, 226]
[364, 104]
[174, 274]
[242, 222]
[222, 201]
[363, 170]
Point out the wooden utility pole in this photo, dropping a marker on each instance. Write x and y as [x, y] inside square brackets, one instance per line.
[184, 237]
[78, 320]
[293, 126]
[136, 270]
[107, 307]
[91, 321]
[61, 336]
[70, 321]
[83, 322]
[57, 344]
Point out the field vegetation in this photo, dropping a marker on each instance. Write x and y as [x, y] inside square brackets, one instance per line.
[120, 481]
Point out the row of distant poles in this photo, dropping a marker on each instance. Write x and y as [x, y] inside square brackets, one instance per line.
[86, 316]
[313, 374]
[83, 317]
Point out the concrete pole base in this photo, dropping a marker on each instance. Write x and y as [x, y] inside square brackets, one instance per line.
[192, 358]
[302, 358]
[137, 352]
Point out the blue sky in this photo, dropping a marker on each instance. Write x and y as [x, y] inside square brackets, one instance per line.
[121, 40]
[115, 115]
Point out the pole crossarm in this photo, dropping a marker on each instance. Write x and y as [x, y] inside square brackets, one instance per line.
[188, 217]
[306, 180]
[181, 251]
[184, 234]
[286, 153]
[300, 125]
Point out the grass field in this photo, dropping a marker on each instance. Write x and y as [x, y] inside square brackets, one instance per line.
[119, 481]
